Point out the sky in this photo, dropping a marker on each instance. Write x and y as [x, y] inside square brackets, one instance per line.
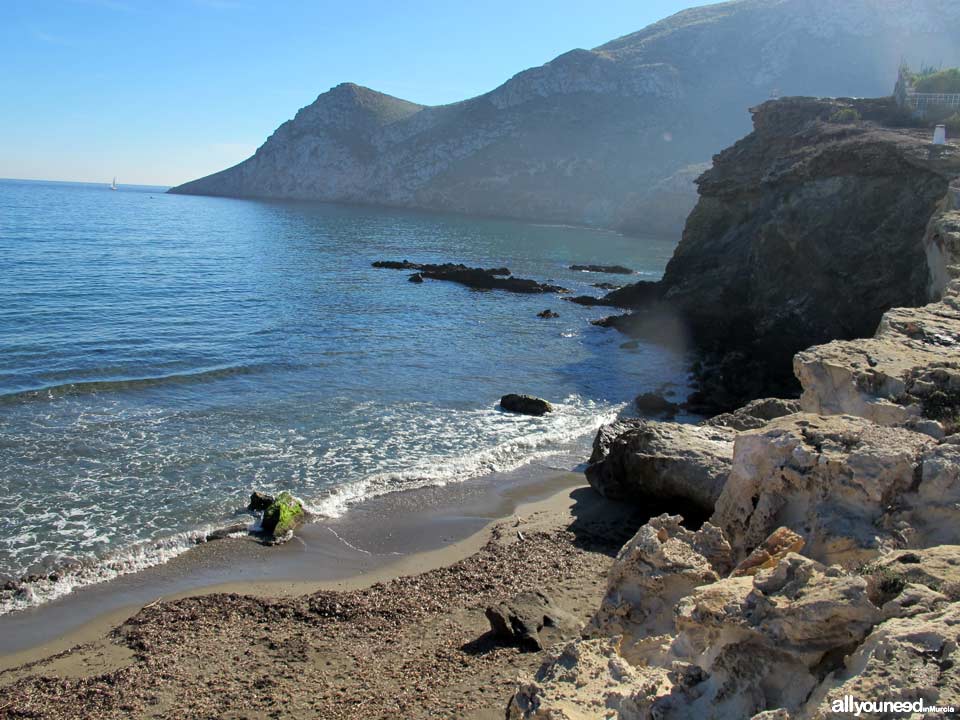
[164, 91]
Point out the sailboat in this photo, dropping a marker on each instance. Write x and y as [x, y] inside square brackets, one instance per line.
[113, 185]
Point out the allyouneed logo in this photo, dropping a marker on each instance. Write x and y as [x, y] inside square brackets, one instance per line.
[847, 704]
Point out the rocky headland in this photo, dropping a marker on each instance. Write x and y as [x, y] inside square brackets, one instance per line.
[807, 230]
[610, 137]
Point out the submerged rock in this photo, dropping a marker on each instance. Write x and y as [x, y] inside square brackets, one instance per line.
[525, 404]
[282, 517]
[225, 532]
[477, 278]
[548, 314]
[610, 269]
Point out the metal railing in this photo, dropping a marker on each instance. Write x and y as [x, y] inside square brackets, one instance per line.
[922, 101]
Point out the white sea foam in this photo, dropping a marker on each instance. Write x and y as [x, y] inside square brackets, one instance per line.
[133, 559]
[471, 444]
[520, 440]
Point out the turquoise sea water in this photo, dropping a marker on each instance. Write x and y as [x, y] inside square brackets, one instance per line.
[163, 355]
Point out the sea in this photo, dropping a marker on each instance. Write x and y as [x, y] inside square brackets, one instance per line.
[162, 356]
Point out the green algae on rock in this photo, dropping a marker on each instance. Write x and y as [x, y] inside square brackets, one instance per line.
[283, 515]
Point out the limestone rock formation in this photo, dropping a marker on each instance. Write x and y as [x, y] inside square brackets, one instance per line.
[831, 479]
[638, 460]
[732, 648]
[908, 372]
[660, 565]
[612, 136]
[904, 660]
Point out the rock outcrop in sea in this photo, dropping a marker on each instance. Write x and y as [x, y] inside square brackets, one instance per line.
[610, 137]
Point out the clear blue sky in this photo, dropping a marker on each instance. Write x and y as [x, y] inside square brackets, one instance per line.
[164, 91]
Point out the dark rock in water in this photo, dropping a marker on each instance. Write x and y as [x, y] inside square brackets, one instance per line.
[477, 278]
[519, 621]
[397, 265]
[548, 314]
[486, 280]
[630, 345]
[640, 461]
[259, 501]
[629, 296]
[435, 267]
[610, 269]
[606, 286]
[586, 300]
[655, 405]
[282, 517]
[525, 404]
[754, 414]
[416, 278]
[223, 533]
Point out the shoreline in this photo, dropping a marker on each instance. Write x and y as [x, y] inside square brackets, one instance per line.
[410, 639]
[404, 533]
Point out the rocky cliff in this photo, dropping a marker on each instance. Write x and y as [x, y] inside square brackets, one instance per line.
[828, 571]
[807, 230]
[610, 137]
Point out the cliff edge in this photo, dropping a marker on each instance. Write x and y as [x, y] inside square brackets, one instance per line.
[807, 230]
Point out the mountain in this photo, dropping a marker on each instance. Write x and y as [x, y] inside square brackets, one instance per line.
[610, 137]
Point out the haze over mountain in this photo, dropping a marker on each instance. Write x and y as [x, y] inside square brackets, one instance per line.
[611, 137]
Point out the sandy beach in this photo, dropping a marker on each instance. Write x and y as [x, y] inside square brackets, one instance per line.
[405, 636]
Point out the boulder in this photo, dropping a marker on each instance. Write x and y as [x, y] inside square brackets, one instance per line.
[830, 479]
[636, 460]
[416, 278]
[259, 501]
[282, 517]
[520, 620]
[754, 414]
[655, 405]
[525, 404]
[548, 314]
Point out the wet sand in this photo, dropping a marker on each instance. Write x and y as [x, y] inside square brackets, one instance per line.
[415, 646]
[399, 533]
